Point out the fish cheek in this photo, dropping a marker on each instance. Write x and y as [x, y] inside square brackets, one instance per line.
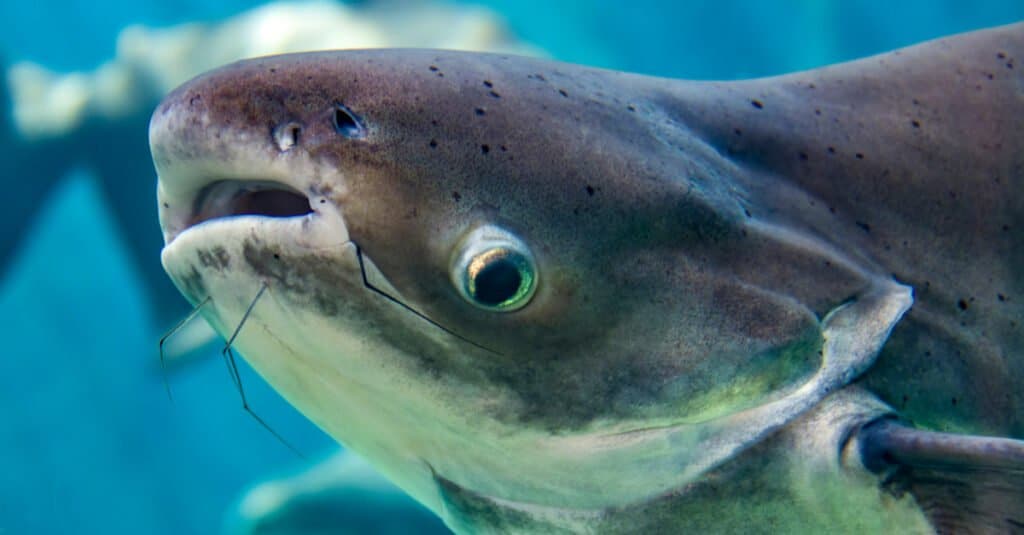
[743, 347]
[318, 282]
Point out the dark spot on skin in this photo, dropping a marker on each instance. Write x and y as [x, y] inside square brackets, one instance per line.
[859, 156]
[990, 76]
[457, 196]
[434, 68]
[277, 256]
[503, 148]
[297, 276]
[440, 75]
[563, 93]
[831, 150]
[631, 107]
[1001, 297]
[494, 94]
[1001, 55]
[961, 304]
[803, 156]
[433, 143]
[953, 401]
[864, 226]
[323, 201]
[488, 84]
[747, 212]
[915, 123]
[757, 104]
[590, 190]
[433, 122]
[192, 284]
[166, 205]
[1006, 228]
[485, 149]
[817, 112]
[480, 111]
[216, 258]
[737, 131]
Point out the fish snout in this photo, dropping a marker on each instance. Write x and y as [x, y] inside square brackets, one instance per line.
[221, 151]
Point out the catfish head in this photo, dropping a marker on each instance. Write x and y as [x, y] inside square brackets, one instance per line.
[517, 287]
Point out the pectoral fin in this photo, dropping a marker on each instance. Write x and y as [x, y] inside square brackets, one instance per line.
[963, 484]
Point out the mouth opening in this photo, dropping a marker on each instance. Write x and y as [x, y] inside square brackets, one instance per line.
[229, 198]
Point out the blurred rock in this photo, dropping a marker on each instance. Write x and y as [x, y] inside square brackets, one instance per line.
[152, 61]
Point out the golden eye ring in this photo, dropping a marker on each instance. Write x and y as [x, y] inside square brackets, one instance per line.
[494, 270]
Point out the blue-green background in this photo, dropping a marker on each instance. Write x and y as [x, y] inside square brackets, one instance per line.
[89, 442]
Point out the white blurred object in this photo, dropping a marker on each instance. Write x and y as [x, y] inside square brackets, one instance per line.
[339, 495]
[152, 61]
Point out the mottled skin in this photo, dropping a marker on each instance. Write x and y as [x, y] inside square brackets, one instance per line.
[691, 238]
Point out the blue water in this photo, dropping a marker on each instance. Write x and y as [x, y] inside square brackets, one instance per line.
[90, 443]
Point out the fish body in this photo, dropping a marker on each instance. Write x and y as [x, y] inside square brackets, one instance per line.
[542, 297]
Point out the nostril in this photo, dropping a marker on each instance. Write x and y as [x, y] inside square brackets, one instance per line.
[346, 123]
[287, 136]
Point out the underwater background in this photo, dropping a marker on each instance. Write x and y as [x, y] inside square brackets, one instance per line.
[90, 441]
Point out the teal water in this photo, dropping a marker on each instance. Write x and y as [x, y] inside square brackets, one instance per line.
[90, 443]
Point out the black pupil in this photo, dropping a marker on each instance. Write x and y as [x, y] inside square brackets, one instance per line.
[345, 122]
[497, 282]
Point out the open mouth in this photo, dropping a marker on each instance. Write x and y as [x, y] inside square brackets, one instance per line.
[229, 198]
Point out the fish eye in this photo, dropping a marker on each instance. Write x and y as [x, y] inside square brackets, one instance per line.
[494, 270]
[346, 123]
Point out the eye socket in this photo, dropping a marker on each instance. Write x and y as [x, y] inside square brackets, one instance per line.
[494, 270]
[346, 123]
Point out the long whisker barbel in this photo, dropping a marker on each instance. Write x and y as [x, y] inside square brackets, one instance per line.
[171, 332]
[366, 283]
[229, 360]
[226, 352]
